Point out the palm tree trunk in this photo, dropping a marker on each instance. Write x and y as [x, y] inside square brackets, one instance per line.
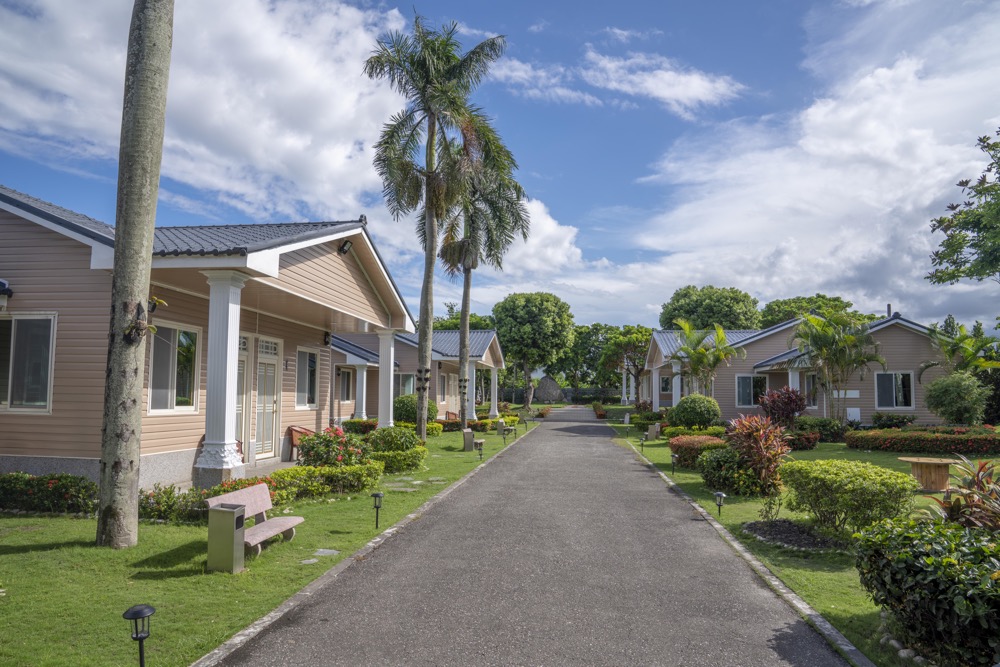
[425, 328]
[147, 72]
[529, 389]
[463, 347]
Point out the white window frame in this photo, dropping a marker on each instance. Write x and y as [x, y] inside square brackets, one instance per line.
[815, 390]
[913, 392]
[196, 389]
[315, 388]
[442, 388]
[668, 382]
[5, 407]
[397, 389]
[755, 375]
[346, 385]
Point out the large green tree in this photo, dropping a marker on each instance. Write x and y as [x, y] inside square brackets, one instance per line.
[704, 307]
[452, 321]
[415, 152]
[147, 72]
[971, 245]
[782, 310]
[580, 363]
[627, 350]
[534, 328]
[960, 351]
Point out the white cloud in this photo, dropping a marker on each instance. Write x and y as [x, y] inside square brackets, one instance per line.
[540, 26]
[464, 29]
[551, 83]
[626, 36]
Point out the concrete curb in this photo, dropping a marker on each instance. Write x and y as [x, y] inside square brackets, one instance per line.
[831, 634]
[243, 636]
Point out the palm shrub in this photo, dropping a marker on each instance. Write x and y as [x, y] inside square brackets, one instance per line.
[760, 444]
[695, 411]
[959, 398]
[783, 405]
[975, 496]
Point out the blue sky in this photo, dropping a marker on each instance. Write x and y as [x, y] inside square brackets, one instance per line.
[782, 147]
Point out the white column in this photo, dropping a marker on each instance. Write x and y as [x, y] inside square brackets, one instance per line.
[624, 388]
[631, 388]
[219, 459]
[676, 388]
[386, 378]
[793, 379]
[360, 390]
[470, 391]
[654, 388]
[494, 389]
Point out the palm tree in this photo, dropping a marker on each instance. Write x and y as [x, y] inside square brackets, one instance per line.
[839, 349]
[436, 80]
[960, 352]
[480, 227]
[693, 351]
[720, 352]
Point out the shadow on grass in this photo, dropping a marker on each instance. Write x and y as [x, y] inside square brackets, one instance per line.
[11, 550]
[179, 555]
[162, 575]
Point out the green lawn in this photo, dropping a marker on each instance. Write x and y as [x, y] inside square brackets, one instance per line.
[828, 582]
[61, 598]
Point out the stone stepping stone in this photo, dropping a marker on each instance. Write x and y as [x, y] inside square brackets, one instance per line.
[326, 552]
[436, 480]
[309, 561]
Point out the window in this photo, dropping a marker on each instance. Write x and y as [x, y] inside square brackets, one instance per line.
[812, 391]
[894, 390]
[26, 362]
[305, 380]
[666, 385]
[346, 385]
[404, 384]
[749, 389]
[173, 369]
[442, 388]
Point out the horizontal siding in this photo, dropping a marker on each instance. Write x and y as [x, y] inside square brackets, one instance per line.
[757, 351]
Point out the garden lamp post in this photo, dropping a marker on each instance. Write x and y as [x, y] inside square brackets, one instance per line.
[719, 497]
[673, 462]
[377, 500]
[139, 617]
[478, 446]
[642, 444]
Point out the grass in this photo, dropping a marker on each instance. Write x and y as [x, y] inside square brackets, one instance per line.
[827, 581]
[61, 598]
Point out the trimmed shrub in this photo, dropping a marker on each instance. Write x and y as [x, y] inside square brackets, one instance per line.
[401, 461]
[404, 409]
[722, 470]
[968, 441]
[510, 420]
[669, 432]
[761, 445]
[783, 405]
[482, 425]
[434, 429]
[959, 398]
[689, 447]
[891, 420]
[802, 440]
[695, 410]
[939, 581]
[332, 447]
[351, 479]
[830, 430]
[302, 481]
[166, 503]
[360, 426]
[59, 493]
[450, 425]
[279, 495]
[396, 439]
[847, 494]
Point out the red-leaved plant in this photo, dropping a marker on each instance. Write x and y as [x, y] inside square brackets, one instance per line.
[783, 405]
[760, 444]
[975, 501]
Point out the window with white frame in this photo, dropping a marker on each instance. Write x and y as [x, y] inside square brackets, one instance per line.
[749, 389]
[173, 368]
[26, 352]
[405, 384]
[346, 385]
[894, 390]
[306, 379]
[812, 391]
[442, 388]
[666, 385]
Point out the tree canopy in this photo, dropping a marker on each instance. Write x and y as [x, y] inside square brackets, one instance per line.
[580, 363]
[971, 245]
[627, 349]
[452, 320]
[704, 307]
[782, 310]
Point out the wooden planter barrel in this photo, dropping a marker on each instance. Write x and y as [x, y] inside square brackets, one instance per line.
[931, 473]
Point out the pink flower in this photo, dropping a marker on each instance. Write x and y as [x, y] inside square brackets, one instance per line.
[340, 457]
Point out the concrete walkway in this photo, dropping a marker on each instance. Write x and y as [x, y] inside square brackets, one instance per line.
[565, 551]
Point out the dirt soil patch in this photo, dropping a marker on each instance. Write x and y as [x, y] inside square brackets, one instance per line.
[786, 533]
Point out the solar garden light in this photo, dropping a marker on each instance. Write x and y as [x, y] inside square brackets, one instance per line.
[673, 462]
[642, 444]
[478, 446]
[139, 616]
[719, 497]
[377, 497]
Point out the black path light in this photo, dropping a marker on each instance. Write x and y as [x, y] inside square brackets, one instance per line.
[719, 497]
[642, 444]
[139, 617]
[478, 446]
[377, 497]
[673, 462]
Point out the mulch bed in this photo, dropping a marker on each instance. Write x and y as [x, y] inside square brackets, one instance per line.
[791, 535]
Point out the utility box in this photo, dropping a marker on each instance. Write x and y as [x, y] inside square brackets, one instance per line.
[225, 537]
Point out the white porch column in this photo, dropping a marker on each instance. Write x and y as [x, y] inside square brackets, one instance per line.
[470, 392]
[676, 388]
[360, 390]
[494, 389]
[624, 387]
[219, 459]
[631, 388]
[654, 388]
[793, 379]
[386, 377]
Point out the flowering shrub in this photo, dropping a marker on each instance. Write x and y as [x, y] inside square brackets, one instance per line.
[783, 405]
[360, 426]
[953, 440]
[332, 448]
[689, 447]
[59, 493]
[396, 439]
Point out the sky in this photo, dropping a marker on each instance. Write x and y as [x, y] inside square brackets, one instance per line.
[784, 147]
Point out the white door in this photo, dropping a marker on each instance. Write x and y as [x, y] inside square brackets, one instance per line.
[267, 398]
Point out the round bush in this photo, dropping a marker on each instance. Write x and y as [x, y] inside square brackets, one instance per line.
[958, 398]
[396, 439]
[404, 409]
[722, 471]
[695, 410]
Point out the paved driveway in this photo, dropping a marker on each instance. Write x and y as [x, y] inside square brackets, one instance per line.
[565, 551]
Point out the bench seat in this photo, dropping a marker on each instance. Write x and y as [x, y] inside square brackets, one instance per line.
[257, 500]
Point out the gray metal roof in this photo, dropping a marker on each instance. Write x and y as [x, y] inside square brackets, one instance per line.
[71, 220]
[347, 347]
[445, 343]
[670, 343]
[786, 359]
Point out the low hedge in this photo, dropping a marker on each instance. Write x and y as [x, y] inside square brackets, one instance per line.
[953, 440]
[689, 447]
[802, 440]
[434, 429]
[891, 420]
[59, 493]
[722, 470]
[401, 461]
[940, 583]
[830, 430]
[847, 494]
[670, 432]
[360, 426]
[450, 425]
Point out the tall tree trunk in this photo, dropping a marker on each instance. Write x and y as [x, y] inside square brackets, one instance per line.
[147, 71]
[425, 328]
[529, 389]
[463, 347]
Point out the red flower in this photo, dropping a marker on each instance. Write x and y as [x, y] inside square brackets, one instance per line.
[340, 457]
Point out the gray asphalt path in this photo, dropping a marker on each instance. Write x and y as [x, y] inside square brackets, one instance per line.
[566, 551]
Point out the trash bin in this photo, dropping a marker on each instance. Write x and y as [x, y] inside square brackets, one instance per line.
[225, 537]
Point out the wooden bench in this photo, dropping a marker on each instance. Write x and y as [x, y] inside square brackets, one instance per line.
[257, 500]
[471, 443]
[296, 433]
[504, 430]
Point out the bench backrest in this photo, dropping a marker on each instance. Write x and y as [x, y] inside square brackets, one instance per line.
[257, 499]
